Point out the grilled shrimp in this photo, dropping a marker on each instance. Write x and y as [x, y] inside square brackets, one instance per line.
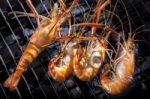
[86, 62]
[43, 35]
[116, 82]
[60, 67]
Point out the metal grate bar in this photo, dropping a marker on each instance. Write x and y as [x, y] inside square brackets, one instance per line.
[8, 75]
[3, 91]
[15, 16]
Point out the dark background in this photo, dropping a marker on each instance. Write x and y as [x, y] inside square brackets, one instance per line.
[15, 33]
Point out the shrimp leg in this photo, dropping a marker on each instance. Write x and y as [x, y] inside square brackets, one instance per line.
[97, 14]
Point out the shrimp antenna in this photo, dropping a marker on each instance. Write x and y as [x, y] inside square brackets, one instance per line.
[113, 11]
[130, 26]
[22, 14]
[128, 17]
[116, 17]
[146, 30]
[135, 33]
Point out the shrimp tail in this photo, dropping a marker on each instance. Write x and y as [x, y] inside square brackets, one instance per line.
[30, 53]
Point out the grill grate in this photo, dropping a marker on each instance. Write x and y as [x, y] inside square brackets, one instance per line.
[36, 83]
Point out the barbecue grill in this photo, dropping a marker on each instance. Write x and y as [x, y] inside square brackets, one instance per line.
[36, 83]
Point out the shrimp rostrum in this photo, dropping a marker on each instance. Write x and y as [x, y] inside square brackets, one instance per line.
[120, 77]
[43, 35]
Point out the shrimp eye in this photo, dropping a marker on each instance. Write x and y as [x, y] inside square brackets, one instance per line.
[96, 59]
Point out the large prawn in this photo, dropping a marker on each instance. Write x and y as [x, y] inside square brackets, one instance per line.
[116, 81]
[87, 61]
[43, 35]
[60, 67]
